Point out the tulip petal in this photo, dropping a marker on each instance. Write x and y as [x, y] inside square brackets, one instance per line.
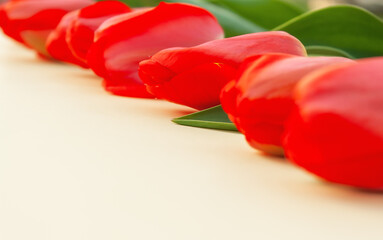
[81, 30]
[212, 76]
[30, 22]
[336, 128]
[260, 101]
[123, 41]
[56, 44]
[229, 52]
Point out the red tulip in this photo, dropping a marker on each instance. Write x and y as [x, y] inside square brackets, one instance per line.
[56, 45]
[80, 33]
[195, 76]
[3, 18]
[30, 21]
[5, 25]
[336, 130]
[123, 41]
[260, 101]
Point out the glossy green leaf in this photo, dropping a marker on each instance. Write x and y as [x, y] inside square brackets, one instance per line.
[233, 24]
[314, 51]
[239, 17]
[265, 13]
[351, 30]
[336, 31]
[214, 118]
[138, 3]
[301, 3]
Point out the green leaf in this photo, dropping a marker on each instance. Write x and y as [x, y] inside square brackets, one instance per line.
[138, 3]
[239, 17]
[301, 3]
[326, 51]
[336, 31]
[214, 118]
[352, 30]
[232, 23]
[265, 13]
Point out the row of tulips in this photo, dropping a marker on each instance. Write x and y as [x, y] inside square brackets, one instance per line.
[323, 113]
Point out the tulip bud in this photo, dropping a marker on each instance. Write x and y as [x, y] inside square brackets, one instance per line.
[80, 33]
[195, 76]
[121, 42]
[260, 101]
[31, 21]
[56, 45]
[336, 129]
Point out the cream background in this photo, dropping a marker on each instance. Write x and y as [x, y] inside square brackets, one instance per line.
[79, 164]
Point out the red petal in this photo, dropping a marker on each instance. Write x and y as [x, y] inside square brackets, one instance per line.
[336, 131]
[81, 31]
[263, 96]
[230, 52]
[212, 76]
[123, 41]
[30, 22]
[56, 44]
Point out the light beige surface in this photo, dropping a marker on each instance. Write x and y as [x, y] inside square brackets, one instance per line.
[79, 164]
